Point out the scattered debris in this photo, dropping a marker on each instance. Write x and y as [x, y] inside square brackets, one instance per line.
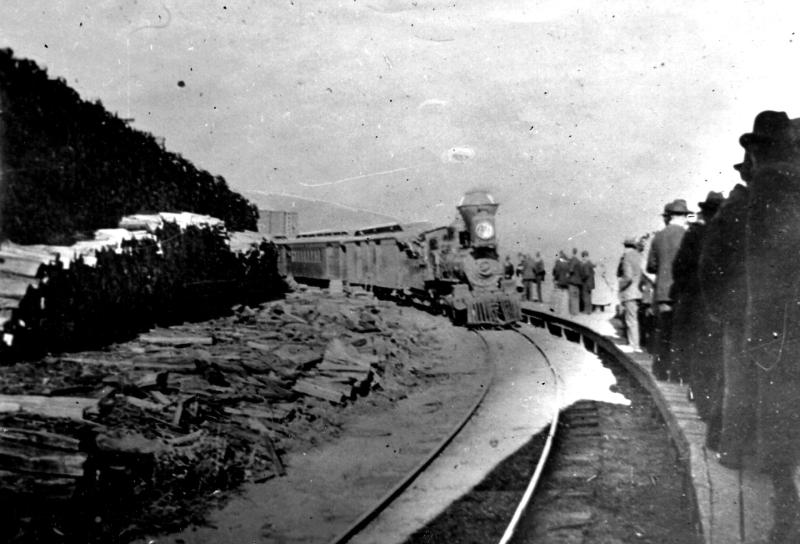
[184, 412]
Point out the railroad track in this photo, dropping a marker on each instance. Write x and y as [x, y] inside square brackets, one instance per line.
[521, 468]
[494, 429]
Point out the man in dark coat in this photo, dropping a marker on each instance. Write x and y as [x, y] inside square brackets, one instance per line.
[574, 283]
[587, 282]
[722, 287]
[528, 276]
[659, 262]
[560, 283]
[508, 268]
[772, 318]
[758, 305]
[696, 340]
[538, 268]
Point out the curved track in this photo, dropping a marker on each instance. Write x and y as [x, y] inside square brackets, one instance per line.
[368, 517]
[523, 399]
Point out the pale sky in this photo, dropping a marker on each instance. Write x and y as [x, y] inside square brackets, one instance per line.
[582, 118]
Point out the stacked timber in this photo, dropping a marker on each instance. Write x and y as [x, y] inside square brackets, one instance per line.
[19, 274]
[173, 267]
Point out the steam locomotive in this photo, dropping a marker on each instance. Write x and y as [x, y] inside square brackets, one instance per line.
[453, 269]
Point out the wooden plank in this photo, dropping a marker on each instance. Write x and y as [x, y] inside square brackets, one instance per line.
[5, 315]
[346, 389]
[338, 353]
[268, 335]
[344, 367]
[34, 460]
[42, 254]
[160, 398]
[11, 435]
[66, 407]
[178, 415]
[8, 303]
[273, 389]
[15, 287]
[257, 367]
[187, 438]
[37, 485]
[19, 266]
[254, 413]
[151, 379]
[312, 389]
[299, 357]
[260, 346]
[335, 375]
[144, 404]
[176, 340]
[276, 460]
[138, 363]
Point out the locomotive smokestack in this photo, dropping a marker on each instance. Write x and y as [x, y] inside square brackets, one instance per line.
[474, 202]
[478, 208]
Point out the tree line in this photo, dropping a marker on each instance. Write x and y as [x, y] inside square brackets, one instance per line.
[69, 167]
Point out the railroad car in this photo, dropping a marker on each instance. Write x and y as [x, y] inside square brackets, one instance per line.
[454, 269]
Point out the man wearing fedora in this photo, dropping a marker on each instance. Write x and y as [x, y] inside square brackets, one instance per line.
[769, 342]
[659, 262]
[696, 339]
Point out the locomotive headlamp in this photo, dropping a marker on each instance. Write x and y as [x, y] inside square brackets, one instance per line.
[484, 230]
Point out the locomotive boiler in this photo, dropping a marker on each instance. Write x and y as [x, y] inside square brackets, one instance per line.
[454, 269]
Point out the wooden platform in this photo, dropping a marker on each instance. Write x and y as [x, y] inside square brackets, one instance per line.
[733, 506]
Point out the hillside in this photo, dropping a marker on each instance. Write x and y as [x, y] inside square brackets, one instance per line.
[69, 166]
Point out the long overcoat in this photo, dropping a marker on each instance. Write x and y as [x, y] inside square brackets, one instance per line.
[772, 311]
[730, 409]
[696, 338]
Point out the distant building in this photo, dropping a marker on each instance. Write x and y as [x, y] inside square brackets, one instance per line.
[277, 224]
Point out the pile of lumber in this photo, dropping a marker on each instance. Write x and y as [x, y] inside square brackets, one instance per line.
[105, 290]
[19, 274]
[342, 374]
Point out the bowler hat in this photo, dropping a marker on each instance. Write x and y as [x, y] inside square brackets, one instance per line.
[771, 127]
[677, 207]
[712, 202]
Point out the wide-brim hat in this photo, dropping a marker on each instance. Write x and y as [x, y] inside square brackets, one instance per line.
[712, 202]
[677, 207]
[770, 127]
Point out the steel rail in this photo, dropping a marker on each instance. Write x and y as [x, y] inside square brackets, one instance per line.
[367, 517]
[545, 455]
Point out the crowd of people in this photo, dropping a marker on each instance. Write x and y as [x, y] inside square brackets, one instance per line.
[721, 296]
[573, 280]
